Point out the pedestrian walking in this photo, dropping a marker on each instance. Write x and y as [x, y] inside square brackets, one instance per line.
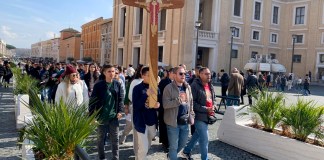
[283, 82]
[224, 82]
[109, 99]
[235, 87]
[2, 72]
[306, 87]
[71, 88]
[243, 91]
[8, 74]
[251, 84]
[204, 107]
[137, 80]
[91, 77]
[145, 118]
[178, 108]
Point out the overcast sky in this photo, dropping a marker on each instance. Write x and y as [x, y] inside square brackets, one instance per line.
[24, 22]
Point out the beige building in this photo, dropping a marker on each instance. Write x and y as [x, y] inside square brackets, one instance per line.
[36, 49]
[176, 35]
[46, 49]
[106, 41]
[266, 27]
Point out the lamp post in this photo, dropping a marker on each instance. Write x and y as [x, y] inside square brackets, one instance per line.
[197, 26]
[293, 52]
[232, 35]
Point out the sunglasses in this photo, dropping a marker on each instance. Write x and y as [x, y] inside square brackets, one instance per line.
[182, 73]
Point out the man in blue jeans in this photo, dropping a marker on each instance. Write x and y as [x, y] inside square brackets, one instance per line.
[177, 104]
[204, 102]
[109, 99]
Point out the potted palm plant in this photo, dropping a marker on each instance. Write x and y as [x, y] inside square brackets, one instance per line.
[23, 83]
[270, 112]
[56, 129]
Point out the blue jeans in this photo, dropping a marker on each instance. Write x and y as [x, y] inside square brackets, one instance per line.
[44, 95]
[200, 134]
[113, 128]
[232, 102]
[178, 137]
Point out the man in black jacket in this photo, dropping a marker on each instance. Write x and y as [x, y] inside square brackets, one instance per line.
[251, 84]
[224, 82]
[204, 102]
[109, 98]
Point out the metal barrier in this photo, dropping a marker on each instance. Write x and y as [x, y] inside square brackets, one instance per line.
[223, 102]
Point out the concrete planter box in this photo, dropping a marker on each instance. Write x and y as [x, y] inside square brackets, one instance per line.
[21, 110]
[234, 131]
[27, 151]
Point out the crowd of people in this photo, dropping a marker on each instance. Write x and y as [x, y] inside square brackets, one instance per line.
[186, 101]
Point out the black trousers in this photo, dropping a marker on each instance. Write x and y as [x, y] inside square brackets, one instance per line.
[224, 89]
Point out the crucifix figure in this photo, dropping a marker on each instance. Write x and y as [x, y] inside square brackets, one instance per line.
[153, 7]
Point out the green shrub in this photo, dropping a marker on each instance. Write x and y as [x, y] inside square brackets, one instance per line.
[268, 108]
[304, 118]
[56, 129]
[24, 82]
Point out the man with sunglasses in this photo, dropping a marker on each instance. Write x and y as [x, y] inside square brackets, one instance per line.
[204, 103]
[108, 96]
[178, 105]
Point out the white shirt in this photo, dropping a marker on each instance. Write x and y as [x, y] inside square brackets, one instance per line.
[134, 83]
[78, 92]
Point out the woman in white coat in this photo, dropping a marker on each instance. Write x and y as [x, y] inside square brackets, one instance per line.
[72, 88]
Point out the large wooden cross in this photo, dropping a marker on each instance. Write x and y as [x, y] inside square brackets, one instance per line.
[153, 7]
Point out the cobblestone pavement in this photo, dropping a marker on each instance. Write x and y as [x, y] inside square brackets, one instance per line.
[8, 134]
[217, 149]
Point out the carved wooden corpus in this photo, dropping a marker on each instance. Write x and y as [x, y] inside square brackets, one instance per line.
[153, 7]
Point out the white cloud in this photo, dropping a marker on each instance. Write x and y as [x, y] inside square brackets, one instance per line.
[6, 31]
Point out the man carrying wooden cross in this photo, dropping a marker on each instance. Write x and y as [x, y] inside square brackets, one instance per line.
[153, 7]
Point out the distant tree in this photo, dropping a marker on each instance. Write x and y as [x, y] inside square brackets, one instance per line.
[8, 46]
[87, 59]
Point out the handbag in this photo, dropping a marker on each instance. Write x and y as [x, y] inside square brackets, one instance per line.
[183, 120]
[191, 119]
[211, 119]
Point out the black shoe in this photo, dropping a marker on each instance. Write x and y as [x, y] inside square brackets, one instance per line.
[186, 156]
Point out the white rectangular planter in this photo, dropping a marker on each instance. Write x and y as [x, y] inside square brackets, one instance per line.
[22, 110]
[234, 131]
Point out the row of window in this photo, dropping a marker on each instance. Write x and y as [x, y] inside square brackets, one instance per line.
[299, 12]
[296, 58]
[256, 36]
[139, 21]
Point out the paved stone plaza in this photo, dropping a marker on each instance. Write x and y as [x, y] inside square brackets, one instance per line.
[217, 149]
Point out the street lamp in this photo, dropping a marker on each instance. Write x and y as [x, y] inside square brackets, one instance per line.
[293, 52]
[197, 26]
[232, 35]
